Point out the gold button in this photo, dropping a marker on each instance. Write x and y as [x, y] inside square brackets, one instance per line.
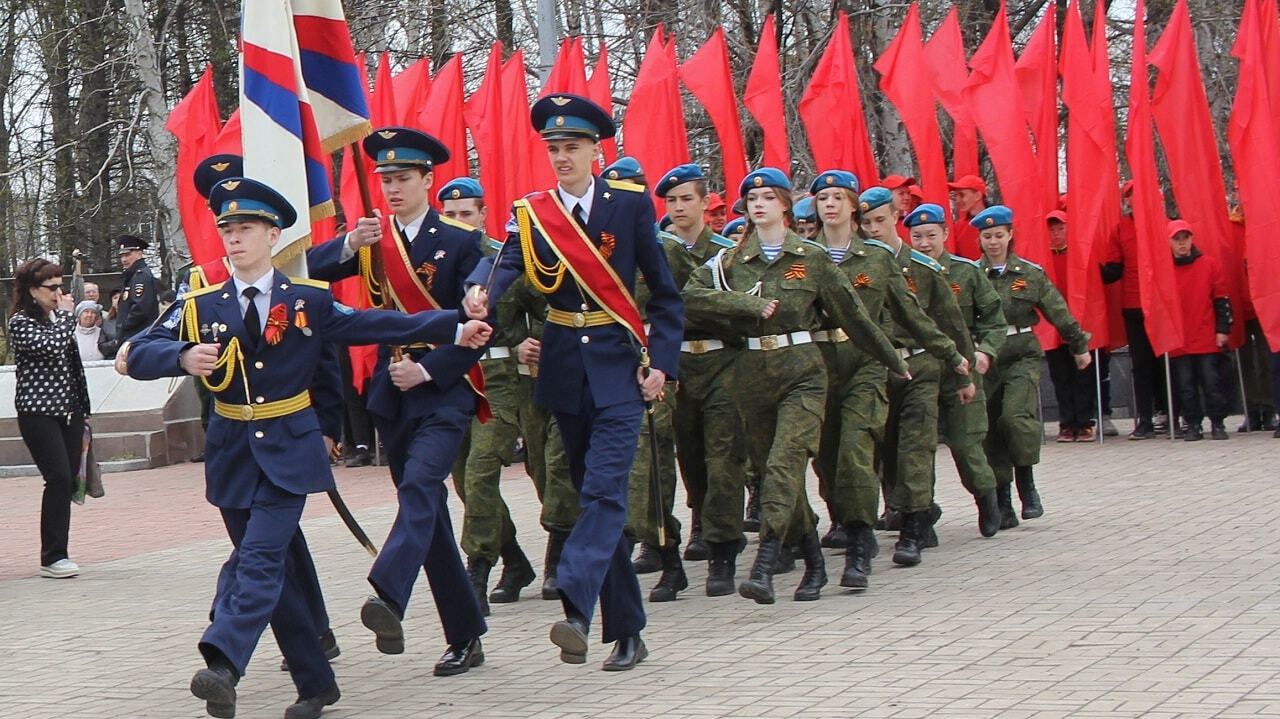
[259, 434]
[585, 307]
[258, 365]
[259, 399]
[586, 339]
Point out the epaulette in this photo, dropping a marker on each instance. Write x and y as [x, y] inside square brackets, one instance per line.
[927, 261]
[318, 284]
[721, 240]
[1030, 264]
[814, 245]
[202, 291]
[966, 260]
[455, 223]
[881, 245]
[624, 185]
[664, 235]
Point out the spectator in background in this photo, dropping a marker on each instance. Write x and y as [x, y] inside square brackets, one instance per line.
[138, 305]
[110, 325]
[969, 195]
[92, 341]
[165, 300]
[717, 212]
[51, 398]
[1199, 365]
[1074, 388]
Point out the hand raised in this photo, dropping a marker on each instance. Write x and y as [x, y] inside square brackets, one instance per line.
[367, 232]
[199, 360]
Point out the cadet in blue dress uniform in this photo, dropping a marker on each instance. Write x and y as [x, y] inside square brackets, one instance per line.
[423, 403]
[257, 340]
[581, 244]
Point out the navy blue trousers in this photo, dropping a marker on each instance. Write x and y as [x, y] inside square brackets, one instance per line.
[600, 444]
[421, 452]
[263, 587]
[300, 563]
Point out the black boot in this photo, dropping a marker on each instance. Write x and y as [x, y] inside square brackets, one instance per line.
[673, 579]
[759, 584]
[835, 538]
[857, 556]
[721, 568]
[929, 539]
[555, 543]
[517, 573]
[815, 569]
[752, 521]
[478, 570]
[907, 551]
[890, 521]
[988, 513]
[1027, 493]
[648, 560]
[786, 561]
[1004, 497]
[696, 550]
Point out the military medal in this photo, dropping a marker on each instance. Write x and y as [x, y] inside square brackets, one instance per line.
[955, 288]
[1018, 285]
[607, 243]
[911, 285]
[862, 280]
[277, 323]
[204, 330]
[439, 255]
[796, 271]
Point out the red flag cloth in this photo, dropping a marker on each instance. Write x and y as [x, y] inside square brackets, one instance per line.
[524, 145]
[1182, 116]
[446, 123]
[945, 58]
[228, 140]
[653, 130]
[411, 88]
[600, 90]
[901, 66]
[708, 76]
[196, 122]
[1161, 303]
[1108, 179]
[384, 106]
[763, 99]
[831, 110]
[1037, 73]
[1253, 133]
[484, 117]
[569, 73]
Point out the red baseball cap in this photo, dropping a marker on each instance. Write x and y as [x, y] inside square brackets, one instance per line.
[915, 191]
[893, 182]
[969, 182]
[1176, 226]
[714, 201]
[1058, 215]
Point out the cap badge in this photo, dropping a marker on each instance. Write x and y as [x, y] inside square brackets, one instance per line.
[230, 184]
[990, 221]
[387, 134]
[233, 206]
[925, 217]
[559, 120]
[220, 166]
[831, 180]
[391, 154]
[456, 193]
[758, 181]
[560, 101]
[613, 174]
[866, 206]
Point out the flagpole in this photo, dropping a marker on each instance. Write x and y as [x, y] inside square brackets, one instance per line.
[1097, 385]
[378, 269]
[1244, 401]
[1168, 388]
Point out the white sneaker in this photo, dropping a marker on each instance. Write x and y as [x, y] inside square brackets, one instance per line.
[61, 569]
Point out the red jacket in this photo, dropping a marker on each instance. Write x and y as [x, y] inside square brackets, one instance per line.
[1200, 282]
[964, 238]
[1127, 239]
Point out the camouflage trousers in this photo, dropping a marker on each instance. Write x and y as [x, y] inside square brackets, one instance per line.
[965, 430]
[857, 409]
[1015, 432]
[709, 442]
[642, 513]
[911, 436]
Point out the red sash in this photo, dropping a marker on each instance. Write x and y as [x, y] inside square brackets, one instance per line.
[579, 254]
[408, 293]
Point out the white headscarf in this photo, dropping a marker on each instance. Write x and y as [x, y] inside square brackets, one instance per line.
[87, 337]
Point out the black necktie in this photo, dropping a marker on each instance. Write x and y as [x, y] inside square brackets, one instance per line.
[580, 215]
[252, 320]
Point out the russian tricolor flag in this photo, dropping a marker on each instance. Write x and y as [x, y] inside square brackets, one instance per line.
[330, 71]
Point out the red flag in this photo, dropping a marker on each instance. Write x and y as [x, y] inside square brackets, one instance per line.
[484, 116]
[1161, 303]
[763, 99]
[901, 66]
[445, 122]
[524, 145]
[411, 88]
[228, 140]
[196, 122]
[944, 55]
[653, 130]
[1253, 134]
[1270, 38]
[1181, 111]
[600, 90]
[569, 73]
[384, 107]
[1037, 73]
[831, 110]
[708, 76]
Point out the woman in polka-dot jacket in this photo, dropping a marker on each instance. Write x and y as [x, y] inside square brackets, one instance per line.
[52, 400]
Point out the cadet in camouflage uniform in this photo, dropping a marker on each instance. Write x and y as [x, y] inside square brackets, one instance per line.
[1013, 443]
[775, 288]
[964, 414]
[857, 394]
[911, 433]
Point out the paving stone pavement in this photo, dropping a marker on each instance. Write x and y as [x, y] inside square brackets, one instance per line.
[1149, 588]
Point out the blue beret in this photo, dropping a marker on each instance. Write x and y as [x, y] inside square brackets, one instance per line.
[926, 214]
[237, 199]
[874, 197]
[678, 176]
[765, 177]
[804, 210]
[834, 178]
[215, 168]
[460, 188]
[624, 168]
[565, 116]
[403, 148]
[733, 226]
[993, 216]
[664, 222]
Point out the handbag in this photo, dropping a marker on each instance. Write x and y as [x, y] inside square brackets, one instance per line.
[89, 480]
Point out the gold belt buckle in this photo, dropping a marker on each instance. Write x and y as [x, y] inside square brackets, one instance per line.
[698, 347]
[246, 412]
[839, 335]
[769, 342]
[533, 370]
[579, 320]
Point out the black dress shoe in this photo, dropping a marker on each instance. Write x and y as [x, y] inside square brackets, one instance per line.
[311, 707]
[328, 642]
[570, 634]
[216, 685]
[360, 458]
[198, 458]
[384, 620]
[627, 653]
[458, 658]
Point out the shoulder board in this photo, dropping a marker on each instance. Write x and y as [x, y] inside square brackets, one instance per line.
[814, 245]
[926, 260]
[664, 236]
[318, 284]
[455, 223]
[1029, 263]
[624, 185]
[721, 240]
[881, 245]
[202, 291]
[965, 260]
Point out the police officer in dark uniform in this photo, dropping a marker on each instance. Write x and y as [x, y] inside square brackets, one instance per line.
[138, 295]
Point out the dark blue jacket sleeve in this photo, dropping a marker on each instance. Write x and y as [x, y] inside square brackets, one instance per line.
[324, 261]
[386, 327]
[157, 352]
[326, 391]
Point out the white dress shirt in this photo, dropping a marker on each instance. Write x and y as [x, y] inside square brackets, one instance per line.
[262, 300]
[570, 200]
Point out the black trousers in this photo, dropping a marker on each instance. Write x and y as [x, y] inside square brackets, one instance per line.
[1074, 388]
[1148, 370]
[1199, 385]
[54, 443]
[357, 423]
